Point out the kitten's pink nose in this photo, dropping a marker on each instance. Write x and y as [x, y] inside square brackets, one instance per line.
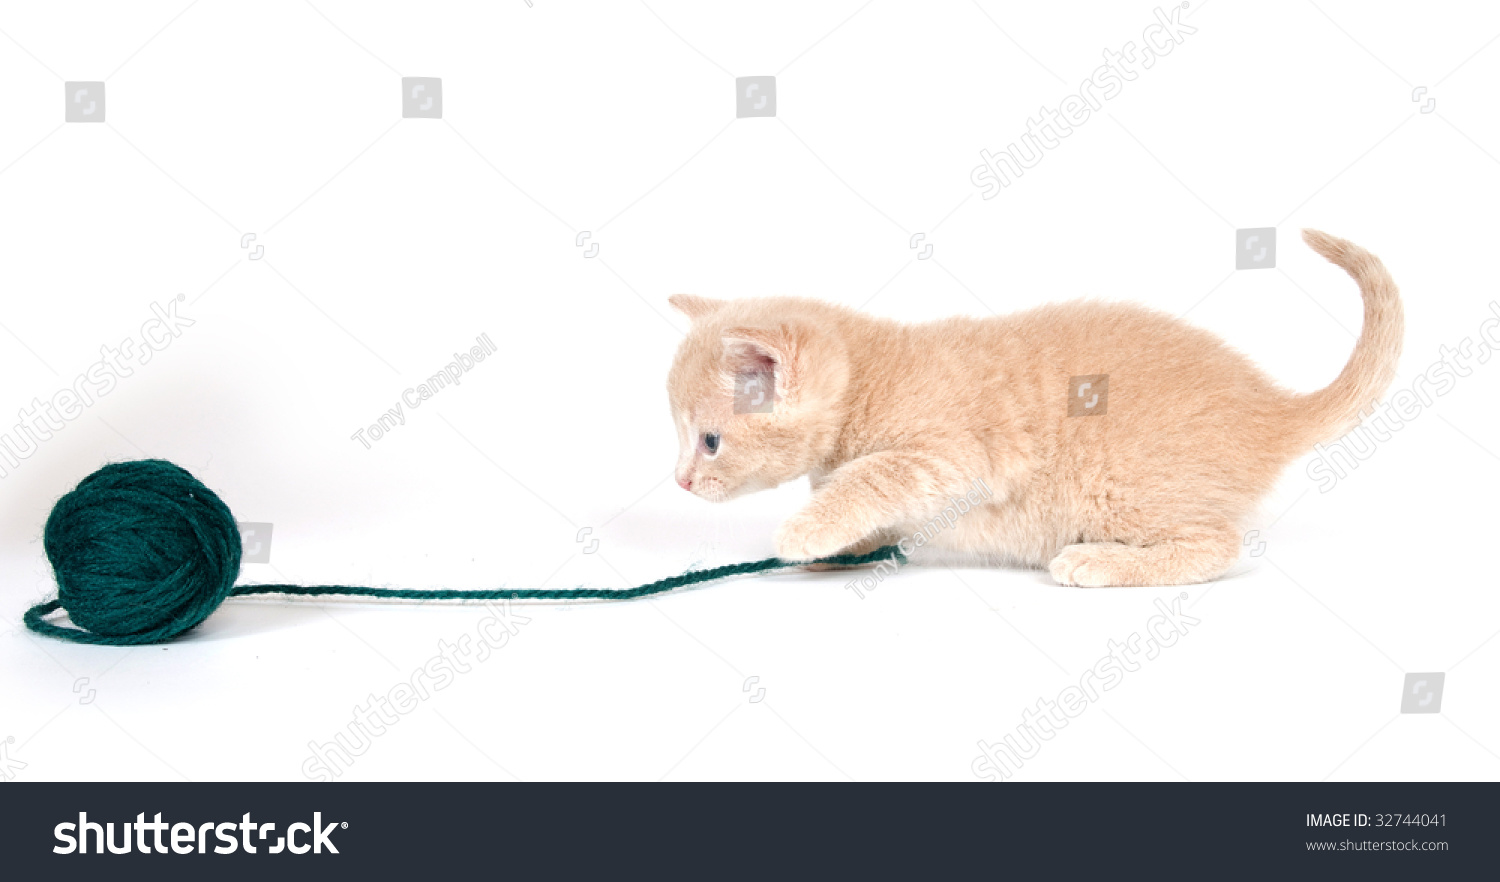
[685, 483]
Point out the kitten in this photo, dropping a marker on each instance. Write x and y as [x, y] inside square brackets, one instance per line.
[890, 421]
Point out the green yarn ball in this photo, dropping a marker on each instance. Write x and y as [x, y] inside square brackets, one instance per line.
[142, 552]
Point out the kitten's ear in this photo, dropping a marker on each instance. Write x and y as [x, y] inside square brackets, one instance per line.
[775, 350]
[693, 306]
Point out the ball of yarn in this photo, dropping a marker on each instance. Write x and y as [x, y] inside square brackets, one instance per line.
[142, 552]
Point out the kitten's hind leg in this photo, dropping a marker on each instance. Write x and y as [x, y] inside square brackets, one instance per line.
[1182, 557]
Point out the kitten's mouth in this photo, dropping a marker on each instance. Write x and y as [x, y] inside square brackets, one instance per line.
[710, 489]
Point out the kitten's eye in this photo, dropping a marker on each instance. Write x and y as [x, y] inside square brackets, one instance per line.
[711, 443]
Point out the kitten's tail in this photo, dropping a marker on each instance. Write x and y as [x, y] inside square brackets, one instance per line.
[1334, 410]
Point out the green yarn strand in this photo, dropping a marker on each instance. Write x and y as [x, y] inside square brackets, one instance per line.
[143, 552]
[35, 617]
[889, 552]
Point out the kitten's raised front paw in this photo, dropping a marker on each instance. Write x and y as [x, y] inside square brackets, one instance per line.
[1091, 565]
[864, 546]
[804, 538]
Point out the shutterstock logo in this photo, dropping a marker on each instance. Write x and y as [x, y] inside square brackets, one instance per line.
[186, 838]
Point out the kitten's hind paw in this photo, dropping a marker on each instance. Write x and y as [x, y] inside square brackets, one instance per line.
[1090, 565]
[1198, 556]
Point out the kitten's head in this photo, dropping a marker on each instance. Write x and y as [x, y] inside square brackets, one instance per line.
[756, 392]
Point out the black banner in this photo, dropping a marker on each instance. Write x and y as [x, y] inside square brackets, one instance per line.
[710, 831]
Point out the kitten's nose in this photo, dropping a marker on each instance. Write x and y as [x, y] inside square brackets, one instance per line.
[685, 483]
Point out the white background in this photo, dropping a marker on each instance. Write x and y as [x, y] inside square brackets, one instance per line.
[390, 243]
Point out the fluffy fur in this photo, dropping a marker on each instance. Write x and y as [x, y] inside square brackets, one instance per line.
[891, 420]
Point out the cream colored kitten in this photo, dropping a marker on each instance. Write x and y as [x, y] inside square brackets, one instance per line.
[890, 421]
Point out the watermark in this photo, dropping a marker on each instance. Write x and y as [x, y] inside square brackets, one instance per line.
[1378, 845]
[1255, 248]
[754, 96]
[331, 759]
[43, 419]
[943, 520]
[1004, 759]
[258, 253]
[85, 102]
[165, 837]
[1088, 395]
[255, 542]
[10, 767]
[1422, 694]
[1335, 460]
[755, 391]
[1105, 83]
[421, 98]
[452, 374]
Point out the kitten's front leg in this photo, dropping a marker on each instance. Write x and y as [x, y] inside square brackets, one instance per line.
[866, 495]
